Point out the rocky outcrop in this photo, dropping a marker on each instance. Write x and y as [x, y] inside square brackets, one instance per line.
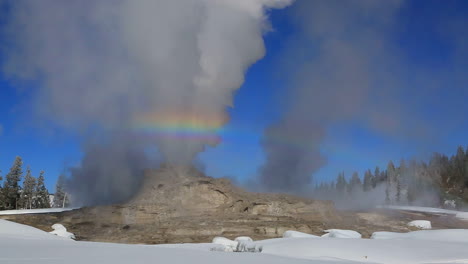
[180, 204]
[180, 190]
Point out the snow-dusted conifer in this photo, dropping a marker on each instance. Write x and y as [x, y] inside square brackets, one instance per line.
[42, 195]
[29, 190]
[11, 187]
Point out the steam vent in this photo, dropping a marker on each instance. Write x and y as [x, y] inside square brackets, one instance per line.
[179, 204]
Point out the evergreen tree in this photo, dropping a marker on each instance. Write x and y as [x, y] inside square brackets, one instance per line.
[60, 196]
[2, 206]
[398, 188]
[377, 175]
[399, 179]
[466, 168]
[29, 190]
[355, 183]
[341, 183]
[391, 179]
[11, 187]
[42, 195]
[368, 179]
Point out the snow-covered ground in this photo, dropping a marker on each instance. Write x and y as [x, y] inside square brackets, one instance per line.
[61, 231]
[25, 244]
[421, 224]
[340, 233]
[296, 234]
[458, 214]
[34, 211]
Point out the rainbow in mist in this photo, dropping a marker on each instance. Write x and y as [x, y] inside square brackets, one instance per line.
[180, 126]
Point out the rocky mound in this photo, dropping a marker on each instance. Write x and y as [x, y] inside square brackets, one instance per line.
[179, 190]
[180, 204]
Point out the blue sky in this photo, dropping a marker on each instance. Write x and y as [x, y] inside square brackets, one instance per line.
[426, 35]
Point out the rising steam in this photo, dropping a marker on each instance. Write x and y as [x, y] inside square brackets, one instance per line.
[347, 63]
[332, 83]
[161, 71]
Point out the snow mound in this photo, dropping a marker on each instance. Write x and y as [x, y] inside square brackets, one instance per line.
[240, 244]
[243, 238]
[442, 235]
[450, 203]
[296, 234]
[13, 230]
[437, 211]
[225, 244]
[462, 215]
[341, 233]
[421, 224]
[248, 246]
[35, 211]
[61, 231]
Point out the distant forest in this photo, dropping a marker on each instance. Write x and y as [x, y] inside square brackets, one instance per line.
[443, 181]
[24, 191]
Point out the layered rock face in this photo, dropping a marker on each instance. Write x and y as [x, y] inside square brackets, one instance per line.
[181, 191]
[180, 204]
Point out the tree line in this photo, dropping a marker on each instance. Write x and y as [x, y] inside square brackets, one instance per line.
[442, 181]
[21, 190]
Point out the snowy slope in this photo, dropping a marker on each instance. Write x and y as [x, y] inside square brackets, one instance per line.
[405, 251]
[447, 235]
[23, 244]
[35, 211]
[20, 244]
[459, 214]
[296, 234]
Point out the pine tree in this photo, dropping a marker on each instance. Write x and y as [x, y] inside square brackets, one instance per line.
[391, 179]
[60, 196]
[355, 183]
[399, 178]
[42, 195]
[341, 183]
[2, 200]
[367, 185]
[29, 190]
[11, 187]
[376, 179]
[466, 168]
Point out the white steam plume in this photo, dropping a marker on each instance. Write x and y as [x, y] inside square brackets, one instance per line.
[335, 62]
[346, 64]
[113, 65]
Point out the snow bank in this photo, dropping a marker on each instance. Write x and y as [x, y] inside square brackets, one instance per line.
[51, 249]
[35, 211]
[421, 224]
[462, 215]
[433, 246]
[296, 234]
[442, 235]
[340, 233]
[61, 231]
[249, 246]
[11, 230]
[446, 247]
[240, 244]
[225, 244]
[243, 238]
[438, 211]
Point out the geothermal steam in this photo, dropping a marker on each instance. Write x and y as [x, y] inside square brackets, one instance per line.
[154, 72]
[349, 63]
[335, 64]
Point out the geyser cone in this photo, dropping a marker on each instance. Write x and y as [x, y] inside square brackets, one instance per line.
[182, 189]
